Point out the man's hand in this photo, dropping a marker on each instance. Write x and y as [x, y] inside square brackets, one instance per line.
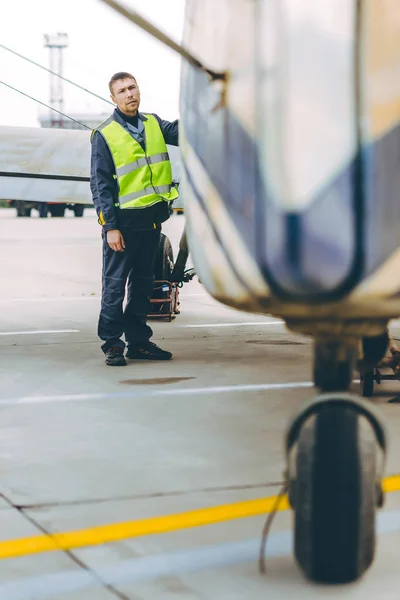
[115, 240]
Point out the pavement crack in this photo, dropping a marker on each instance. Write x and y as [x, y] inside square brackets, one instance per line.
[172, 493]
[34, 344]
[96, 577]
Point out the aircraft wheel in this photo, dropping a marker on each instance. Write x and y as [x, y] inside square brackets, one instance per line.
[335, 495]
[333, 366]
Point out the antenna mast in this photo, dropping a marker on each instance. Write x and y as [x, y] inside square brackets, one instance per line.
[56, 44]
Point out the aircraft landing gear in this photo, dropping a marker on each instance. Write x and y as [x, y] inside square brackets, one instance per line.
[335, 451]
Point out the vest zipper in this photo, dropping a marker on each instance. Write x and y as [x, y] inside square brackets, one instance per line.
[151, 172]
[148, 164]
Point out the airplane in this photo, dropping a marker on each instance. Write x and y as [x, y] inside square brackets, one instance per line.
[289, 137]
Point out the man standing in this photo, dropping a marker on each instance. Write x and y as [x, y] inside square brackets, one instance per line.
[131, 183]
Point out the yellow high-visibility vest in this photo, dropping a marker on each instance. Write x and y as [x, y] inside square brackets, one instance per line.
[144, 178]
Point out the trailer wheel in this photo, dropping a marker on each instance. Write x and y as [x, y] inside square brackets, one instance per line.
[164, 265]
[374, 348]
[78, 210]
[164, 259]
[367, 381]
[57, 210]
[335, 495]
[22, 209]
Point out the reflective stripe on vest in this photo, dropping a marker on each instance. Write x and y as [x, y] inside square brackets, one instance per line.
[142, 162]
[159, 189]
[144, 178]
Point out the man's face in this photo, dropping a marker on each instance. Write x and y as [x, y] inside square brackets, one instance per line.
[126, 95]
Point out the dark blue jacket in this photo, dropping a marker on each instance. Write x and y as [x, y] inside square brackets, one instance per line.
[104, 186]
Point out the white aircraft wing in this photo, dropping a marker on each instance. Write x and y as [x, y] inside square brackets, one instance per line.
[45, 165]
[50, 165]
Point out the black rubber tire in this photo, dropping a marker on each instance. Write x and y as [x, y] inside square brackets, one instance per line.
[367, 382]
[79, 210]
[165, 259]
[374, 348]
[57, 210]
[22, 209]
[330, 375]
[335, 496]
[164, 265]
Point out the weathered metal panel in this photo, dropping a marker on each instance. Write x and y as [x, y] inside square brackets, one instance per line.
[50, 157]
[45, 151]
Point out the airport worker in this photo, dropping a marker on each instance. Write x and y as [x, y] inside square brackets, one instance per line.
[131, 184]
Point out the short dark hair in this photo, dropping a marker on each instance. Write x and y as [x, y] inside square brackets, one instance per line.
[117, 76]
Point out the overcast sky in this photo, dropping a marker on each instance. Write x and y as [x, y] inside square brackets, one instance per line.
[100, 44]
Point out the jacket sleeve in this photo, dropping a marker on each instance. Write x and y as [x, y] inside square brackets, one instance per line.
[102, 183]
[170, 131]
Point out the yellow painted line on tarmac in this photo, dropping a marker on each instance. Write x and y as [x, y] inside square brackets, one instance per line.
[391, 484]
[103, 534]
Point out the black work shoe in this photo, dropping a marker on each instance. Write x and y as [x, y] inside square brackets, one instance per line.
[115, 357]
[148, 351]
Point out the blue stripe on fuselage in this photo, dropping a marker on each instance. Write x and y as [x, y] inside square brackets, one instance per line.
[308, 255]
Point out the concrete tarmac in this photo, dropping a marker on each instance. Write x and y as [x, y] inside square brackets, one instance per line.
[84, 445]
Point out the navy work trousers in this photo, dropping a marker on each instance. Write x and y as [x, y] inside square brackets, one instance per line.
[134, 269]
